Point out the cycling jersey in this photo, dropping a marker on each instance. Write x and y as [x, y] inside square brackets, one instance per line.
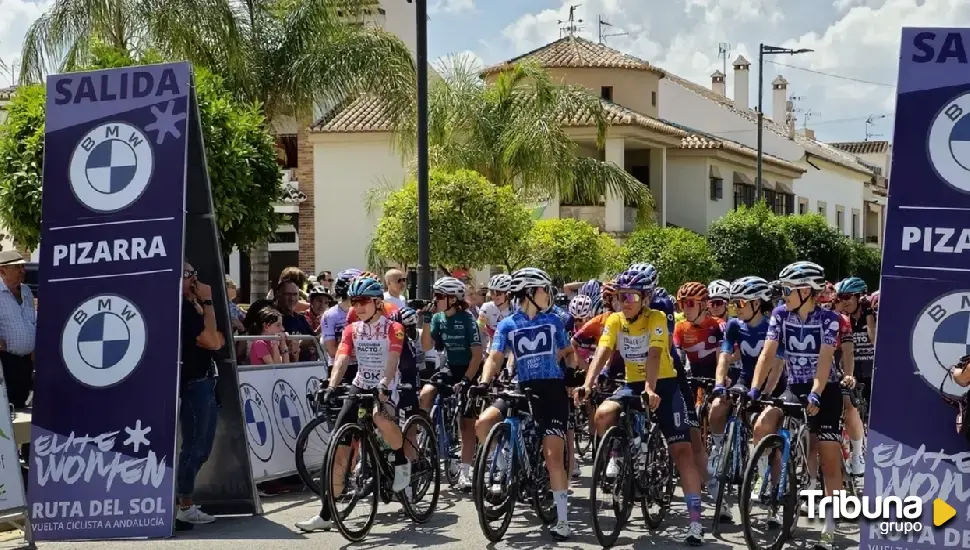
[588, 337]
[863, 351]
[490, 315]
[535, 344]
[747, 338]
[634, 340]
[803, 340]
[666, 305]
[370, 345]
[568, 322]
[701, 344]
[387, 311]
[332, 326]
[845, 336]
[455, 334]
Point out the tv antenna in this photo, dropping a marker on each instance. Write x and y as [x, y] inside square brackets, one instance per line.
[809, 115]
[572, 24]
[870, 120]
[723, 51]
[604, 23]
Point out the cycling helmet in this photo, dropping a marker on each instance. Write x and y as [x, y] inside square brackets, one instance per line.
[343, 280]
[648, 271]
[636, 280]
[827, 295]
[803, 275]
[692, 291]
[874, 300]
[581, 306]
[500, 283]
[591, 288]
[368, 275]
[608, 291]
[750, 288]
[596, 306]
[660, 293]
[561, 300]
[775, 287]
[529, 278]
[406, 316]
[851, 285]
[319, 290]
[449, 286]
[366, 287]
[719, 289]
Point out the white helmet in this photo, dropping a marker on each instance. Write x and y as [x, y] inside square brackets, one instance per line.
[449, 286]
[751, 288]
[581, 306]
[803, 275]
[719, 289]
[500, 283]
[530, 278]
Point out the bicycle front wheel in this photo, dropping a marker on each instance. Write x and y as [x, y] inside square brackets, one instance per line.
[495, 483]
[311, 450]
[658, 481]
[768, 510]
[421, 447]
[724, 473]
[354, 481]
[612, 479]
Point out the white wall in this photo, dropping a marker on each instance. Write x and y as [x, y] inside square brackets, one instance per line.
[687, 195]
[400, 20]
[345, 167]
[834, 189]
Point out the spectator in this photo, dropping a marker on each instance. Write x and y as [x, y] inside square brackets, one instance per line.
[299, 278]
[235, 314]
[271, 351]
[18, 328]
[395, 282]
[319, 303]
[325, 279]
[287, 298]
[199, 410]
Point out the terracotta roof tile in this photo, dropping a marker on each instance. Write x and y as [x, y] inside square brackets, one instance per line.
[704, 141]
[7, 93]
[862, 147]
[362, 114]
[618, 115]
[576, 52]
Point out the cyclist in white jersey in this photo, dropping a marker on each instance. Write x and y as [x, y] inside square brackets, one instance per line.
[497, 308]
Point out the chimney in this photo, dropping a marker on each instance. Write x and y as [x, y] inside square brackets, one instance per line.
[717, 83]
[741, 77]
[779, 100]
[809, 133]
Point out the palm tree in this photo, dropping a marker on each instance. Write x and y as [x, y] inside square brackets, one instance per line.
[288, 55]
[513, 132]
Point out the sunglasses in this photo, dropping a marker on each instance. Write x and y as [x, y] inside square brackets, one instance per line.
[741, 304]
[189, 273]
[844, 297]
[360, 301]
[716, 303]
[687, 302]
[629, 297]
[787, 290]
[440, 296]
[401, 280]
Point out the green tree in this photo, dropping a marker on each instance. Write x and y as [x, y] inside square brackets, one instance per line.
[239, 148]
[614, 255]
[567, 249]
[750, 241]
[816, 241]
[679, 254]
[866, 264]
[472, 223]
[512, 133]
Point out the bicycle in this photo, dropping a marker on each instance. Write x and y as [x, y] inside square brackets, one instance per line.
[369, 472]
[649, 480]
[510, 466]
[445, 419]
[780, 463]
[703, 389]
[729, 467]
[309, 466]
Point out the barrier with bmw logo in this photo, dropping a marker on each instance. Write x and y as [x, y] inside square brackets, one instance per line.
[913, 447]
[124, 183]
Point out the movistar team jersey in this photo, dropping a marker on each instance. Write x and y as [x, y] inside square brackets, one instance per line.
[535, 343]
[803, 340]
[747, 338]
[568, 322]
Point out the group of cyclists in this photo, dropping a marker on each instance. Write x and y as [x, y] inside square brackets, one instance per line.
[798, 337]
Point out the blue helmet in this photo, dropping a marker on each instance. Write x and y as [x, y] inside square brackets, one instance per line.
[591, 288]
[648, 271]
[636, 280]
[366, 287]
[851, 285]
[406, 316]
[660, 293]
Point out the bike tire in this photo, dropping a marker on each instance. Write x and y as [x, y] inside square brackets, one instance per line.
[306, 476]
[497, 434]
[434, 470]
[450, 465]
[766, 446]
[600, 462]
[723, 470]
[659, 452]
[366, 449]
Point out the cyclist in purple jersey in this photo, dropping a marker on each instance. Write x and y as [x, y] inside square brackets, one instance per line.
[809, 335]
[335, 319]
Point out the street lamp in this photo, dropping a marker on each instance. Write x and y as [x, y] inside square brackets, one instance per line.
[764, 50]
[424, 249]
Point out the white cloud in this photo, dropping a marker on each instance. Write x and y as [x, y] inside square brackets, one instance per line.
[451, 6]
[467, 59]
[853, 38]
[17, 17]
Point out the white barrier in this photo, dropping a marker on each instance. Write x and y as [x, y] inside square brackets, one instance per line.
[13, 499]
[275, 409]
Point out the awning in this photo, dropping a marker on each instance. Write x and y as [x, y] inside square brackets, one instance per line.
[715, 173]
[784, 187]
[743, 179]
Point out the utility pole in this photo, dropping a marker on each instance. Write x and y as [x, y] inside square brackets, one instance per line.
[604, 23]
[424, 242]
[869, 122]
[723, 51]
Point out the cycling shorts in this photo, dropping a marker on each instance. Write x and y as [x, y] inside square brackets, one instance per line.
[350, 411]
[549, 404]
[671, 415]
[453, 377]
[827, 424]
[407, 404]
[692, 420]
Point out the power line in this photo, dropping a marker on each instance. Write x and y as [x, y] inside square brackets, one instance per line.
[819, 123]
[840, 77]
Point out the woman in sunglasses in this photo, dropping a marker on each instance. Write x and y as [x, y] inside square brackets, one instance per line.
[498, 308]
[699, 335]
[853, 303]
[454, 333]
[718, 296]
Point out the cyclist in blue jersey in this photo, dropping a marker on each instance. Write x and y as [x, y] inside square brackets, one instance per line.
[809, 335]
[537, 340]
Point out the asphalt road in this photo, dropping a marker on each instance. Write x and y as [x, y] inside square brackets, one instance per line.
[454, 525]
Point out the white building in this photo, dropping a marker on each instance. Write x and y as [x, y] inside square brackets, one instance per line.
[837, 184]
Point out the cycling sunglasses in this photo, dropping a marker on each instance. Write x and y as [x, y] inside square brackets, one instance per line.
[716, 303]
[845, 297]
[359, 301]
[741, 304]
[689, 302]
[787, 290]
[629, 297]
[440, 296]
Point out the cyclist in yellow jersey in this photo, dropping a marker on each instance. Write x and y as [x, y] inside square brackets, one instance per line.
[641, 336]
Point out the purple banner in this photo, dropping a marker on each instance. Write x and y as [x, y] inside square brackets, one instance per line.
[924, 328]
[106, 383]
